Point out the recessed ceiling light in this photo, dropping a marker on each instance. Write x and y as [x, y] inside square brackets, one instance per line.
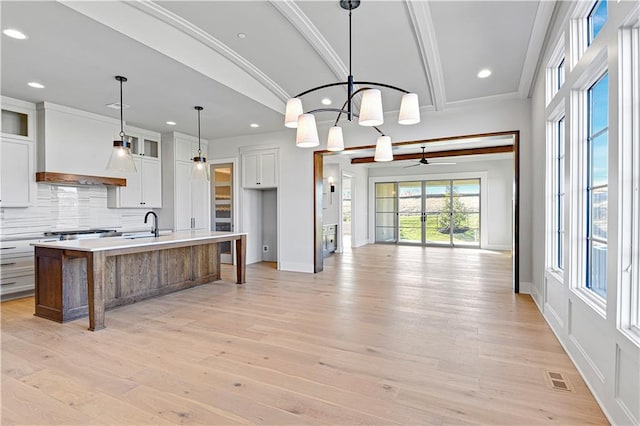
[116, 105]
[484, 73]
[242, 35]
[326, 101]
[171, 123]
[35, 85]
[254, 125]
[10, 32]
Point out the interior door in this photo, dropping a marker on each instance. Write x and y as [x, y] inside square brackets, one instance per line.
[222, 205]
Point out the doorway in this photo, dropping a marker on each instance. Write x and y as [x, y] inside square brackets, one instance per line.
[456, 146]
[347, 208]
[222, 205]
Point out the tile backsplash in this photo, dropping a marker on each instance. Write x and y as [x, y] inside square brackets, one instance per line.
[63, 207]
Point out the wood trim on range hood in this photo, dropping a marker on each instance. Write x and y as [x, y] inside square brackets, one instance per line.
[70, 179]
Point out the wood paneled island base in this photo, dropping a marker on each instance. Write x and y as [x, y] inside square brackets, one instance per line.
[76, 278]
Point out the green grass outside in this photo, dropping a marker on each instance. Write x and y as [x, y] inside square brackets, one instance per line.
[410, 230]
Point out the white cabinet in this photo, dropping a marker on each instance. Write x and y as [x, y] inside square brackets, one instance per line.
[17, 277]
[186, 200]
[144, 187]
[17, 154]
[260, 169]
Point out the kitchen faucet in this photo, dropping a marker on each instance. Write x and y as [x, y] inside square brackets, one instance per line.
[155, 230]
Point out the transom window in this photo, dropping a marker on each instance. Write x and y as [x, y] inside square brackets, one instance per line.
[560, 74]
[596, 19]
[597, 185]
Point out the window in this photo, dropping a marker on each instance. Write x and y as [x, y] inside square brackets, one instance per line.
[555, 70]
[629, 183]
[596, 19]
[597, 186]
[559, 187]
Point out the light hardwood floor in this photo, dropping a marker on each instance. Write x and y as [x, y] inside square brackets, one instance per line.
[385, 335]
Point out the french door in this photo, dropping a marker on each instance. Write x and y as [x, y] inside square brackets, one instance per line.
[431, 212]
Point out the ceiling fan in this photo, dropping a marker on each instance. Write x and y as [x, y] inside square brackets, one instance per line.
[424, 161]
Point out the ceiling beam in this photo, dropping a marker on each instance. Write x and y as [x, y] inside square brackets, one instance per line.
[438, 154]
[420, 14]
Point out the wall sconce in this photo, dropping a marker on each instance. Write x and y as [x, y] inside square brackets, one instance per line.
[332, 189]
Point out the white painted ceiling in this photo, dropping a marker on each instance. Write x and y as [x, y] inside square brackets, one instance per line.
[185, 53]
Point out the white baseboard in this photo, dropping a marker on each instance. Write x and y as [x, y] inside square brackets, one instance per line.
[525, 287]
[500, 247]
[296, 267]
[360, 243]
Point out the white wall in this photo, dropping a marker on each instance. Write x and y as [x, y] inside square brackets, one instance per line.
[496, 199]
[605, 355]
[296, 168]
[331, 201]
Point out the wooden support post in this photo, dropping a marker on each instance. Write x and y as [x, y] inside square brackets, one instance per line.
[241, 259]
[95, 289]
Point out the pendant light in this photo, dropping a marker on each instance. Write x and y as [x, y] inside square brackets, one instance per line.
[121, 159]
[200, 169]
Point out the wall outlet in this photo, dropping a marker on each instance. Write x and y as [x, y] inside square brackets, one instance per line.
[265, 248]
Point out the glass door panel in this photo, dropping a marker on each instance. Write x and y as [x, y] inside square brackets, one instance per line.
[437, 212]
[410, 212]
[222, 206]
[465, 204]
[386, 214]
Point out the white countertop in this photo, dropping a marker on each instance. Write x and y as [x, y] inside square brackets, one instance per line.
[113, 243]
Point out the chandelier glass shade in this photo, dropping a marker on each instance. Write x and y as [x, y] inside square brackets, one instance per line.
[370, 114]
[121, 159]
[199, 170]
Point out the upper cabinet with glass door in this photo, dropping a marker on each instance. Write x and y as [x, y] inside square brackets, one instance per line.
[143, 142]
[18, 118]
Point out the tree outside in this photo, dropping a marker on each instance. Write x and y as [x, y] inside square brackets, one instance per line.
[453, 212]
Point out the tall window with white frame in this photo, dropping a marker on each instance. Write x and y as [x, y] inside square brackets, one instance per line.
[596, 19]
[559, 187]
[597, 175]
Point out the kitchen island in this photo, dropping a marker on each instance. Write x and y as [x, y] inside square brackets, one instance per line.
[79, 277]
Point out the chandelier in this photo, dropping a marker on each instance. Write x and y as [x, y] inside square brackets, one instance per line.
[370, 113]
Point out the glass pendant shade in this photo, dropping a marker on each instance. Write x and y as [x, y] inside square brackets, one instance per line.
[307, 134]
[383, 149]
[409, 109]
[335, 141]
[200, 169]
[371, 108]
[121, 159]
[293, 111]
